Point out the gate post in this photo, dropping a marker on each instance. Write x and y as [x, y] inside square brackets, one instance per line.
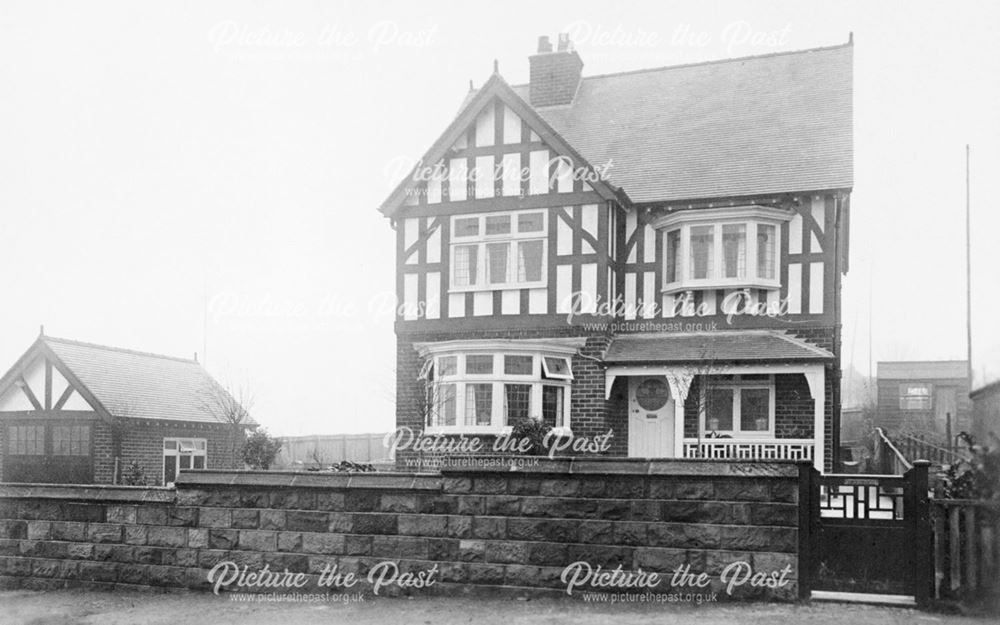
[923, 567]
[806, 486]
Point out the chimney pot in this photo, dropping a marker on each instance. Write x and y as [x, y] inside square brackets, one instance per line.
[564, 43]
[544, 45]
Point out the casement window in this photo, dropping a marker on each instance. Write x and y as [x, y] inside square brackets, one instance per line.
[914, 396]
[183, 453]
[26, 440]
[71, 440]
[738, 406]
[486, 392]
[498, 251]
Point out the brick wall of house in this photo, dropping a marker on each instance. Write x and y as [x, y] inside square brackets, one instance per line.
[480, 529]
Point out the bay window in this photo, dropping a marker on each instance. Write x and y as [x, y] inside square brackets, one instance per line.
[473, 391]
[498, 251]
[738, 406]
[732, 248]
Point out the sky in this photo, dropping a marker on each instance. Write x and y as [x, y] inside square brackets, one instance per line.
[181, 177]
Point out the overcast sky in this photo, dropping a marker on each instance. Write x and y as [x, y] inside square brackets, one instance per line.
[158, 159]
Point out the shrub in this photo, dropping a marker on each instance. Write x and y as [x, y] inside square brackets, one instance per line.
[975, 478]
[134, 475]
[260, 449]
[534, 430]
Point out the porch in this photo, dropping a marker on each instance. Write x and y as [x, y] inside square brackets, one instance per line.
[741, 395]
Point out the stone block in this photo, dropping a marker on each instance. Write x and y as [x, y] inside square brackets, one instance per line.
[559, 488]
[160, 536]
[222, 538]
[457, 485]
[470, 504]
[271, 519]
[289, 541]
[104, 533]
[694, 512]
[483, 574]
[151, 515]
[396, 502]
[242, 518]
[750, 538]
[361, 501]
[442, 548]
[148, 555]
[307, 521]
[489, 527]
[395, 547]
[39, 530]
[69, 530]
[548, 554]
[785, 492]
[293, 499]
[292, 562]
[775, 514]
[504, 505]
[80, 551]
[214, 517]
[489, 485]
[694, 489]
[258, 540]
[612, 509]
[459, 526]
[340, 522]
[322, 543]
[330, 501]
[503, 552]
[97, 571]
[423, 525]
[596, 532]
[83, 512]
[660, 560]
[121, 514]
[182, 516]
[197, 538]
[375, 524]
[355, 545]
[136, 534]
[604, 555]
[742, 490]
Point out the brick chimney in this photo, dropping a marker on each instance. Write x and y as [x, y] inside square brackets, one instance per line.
[555, 76]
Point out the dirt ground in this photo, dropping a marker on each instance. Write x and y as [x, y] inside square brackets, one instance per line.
[135, 608]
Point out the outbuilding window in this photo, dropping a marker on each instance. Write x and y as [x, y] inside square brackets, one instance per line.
[183, 453]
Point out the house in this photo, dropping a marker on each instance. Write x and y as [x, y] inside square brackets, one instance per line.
[73, 412]
[656, 254]
[927, 398]
[986, 414]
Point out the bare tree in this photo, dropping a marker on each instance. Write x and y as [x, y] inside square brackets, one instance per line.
[230, 405]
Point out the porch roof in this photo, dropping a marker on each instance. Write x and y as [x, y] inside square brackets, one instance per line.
[727, 346]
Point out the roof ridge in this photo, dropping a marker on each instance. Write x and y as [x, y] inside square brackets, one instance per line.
[711, 62]
[122, 350]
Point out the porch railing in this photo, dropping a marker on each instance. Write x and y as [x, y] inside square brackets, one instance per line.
[966, 548]
[749, 449]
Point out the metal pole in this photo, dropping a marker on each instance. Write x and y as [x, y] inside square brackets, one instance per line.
[968, 269]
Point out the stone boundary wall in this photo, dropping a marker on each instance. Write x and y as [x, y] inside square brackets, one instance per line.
[488, 528]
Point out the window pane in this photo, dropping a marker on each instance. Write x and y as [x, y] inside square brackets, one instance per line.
[199, 462]
[754, 409]
[673, 256]
[447, 365]
[466, 265]
[479, 364]
[478, 404]
[719, 409]
[734, 250]
[497, 262]
[702, 251]
[445, 409]
[498, 224]
[766, 236]
[552, 405]
[169, 443]
[530, 222]
[517, 402]
[556, 366]
[529, 261]
[467, 227]
[518, 365]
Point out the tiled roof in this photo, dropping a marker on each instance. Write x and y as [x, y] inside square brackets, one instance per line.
[138, 384]
[923, 369]
[766, 124]
[747, 345]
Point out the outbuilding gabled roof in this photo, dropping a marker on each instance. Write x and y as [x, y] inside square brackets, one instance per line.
[127, 383]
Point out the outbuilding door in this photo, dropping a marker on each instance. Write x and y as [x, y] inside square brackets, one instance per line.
[48, 453]
[650, 418]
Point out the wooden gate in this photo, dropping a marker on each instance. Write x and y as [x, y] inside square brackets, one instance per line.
[870, 534]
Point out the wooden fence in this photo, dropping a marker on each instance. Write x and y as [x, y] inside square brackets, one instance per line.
[918, 447]
[966, 549]
[329, 449]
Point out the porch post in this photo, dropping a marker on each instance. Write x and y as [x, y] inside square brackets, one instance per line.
[816, 377]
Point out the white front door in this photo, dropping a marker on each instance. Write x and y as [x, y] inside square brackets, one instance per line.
[650, 418]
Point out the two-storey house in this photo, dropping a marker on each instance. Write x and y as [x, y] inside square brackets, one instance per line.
[656, 254]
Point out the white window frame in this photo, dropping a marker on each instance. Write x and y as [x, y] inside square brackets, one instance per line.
[537, 379]
[198, 447]
[481, 240]
[749, 217]
[737, 384]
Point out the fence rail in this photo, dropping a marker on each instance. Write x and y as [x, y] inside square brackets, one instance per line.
[743, 449]
[920, 448]
[966, 548]
[888, 458]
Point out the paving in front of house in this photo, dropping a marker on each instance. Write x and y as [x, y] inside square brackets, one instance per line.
[154, 608]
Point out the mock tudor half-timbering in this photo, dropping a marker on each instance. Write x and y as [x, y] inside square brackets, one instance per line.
[657, 253]
[79, 413]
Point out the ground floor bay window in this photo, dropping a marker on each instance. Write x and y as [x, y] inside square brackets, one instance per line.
[486, 387]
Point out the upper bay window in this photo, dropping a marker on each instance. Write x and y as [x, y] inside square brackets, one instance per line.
[498, 251]
[721, 248]
[486, 390]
